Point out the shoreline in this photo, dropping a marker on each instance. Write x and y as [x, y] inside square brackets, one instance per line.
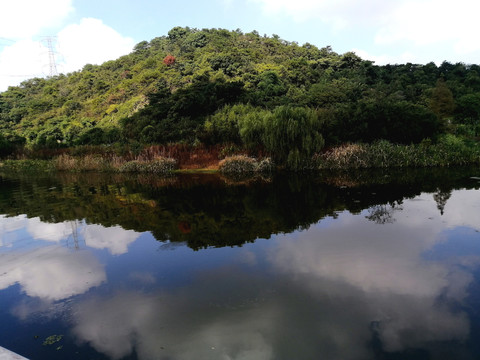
[381, 154]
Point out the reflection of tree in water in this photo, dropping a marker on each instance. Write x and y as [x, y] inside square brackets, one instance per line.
[205, 211]
[383, 214]
[441, 198]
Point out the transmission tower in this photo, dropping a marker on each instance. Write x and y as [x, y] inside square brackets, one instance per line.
[74, 235]
[49, 41]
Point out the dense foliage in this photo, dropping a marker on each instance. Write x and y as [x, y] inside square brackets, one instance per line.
[258, 93]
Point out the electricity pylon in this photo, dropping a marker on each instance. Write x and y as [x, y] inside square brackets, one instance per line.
[49, 41]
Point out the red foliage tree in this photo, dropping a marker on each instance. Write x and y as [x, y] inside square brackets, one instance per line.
[169, 60]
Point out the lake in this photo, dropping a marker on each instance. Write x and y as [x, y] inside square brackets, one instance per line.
[358, 265]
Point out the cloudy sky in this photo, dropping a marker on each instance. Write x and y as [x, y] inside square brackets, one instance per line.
[88, 31]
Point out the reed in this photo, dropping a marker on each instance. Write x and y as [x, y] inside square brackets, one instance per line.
[115, 163]
[449, 151]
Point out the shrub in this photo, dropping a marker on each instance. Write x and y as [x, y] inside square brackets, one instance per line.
[266, 165]
[161, 165]
[343, 157]
[131, 166]
[238, 164]
[245, 164]
[156, 166]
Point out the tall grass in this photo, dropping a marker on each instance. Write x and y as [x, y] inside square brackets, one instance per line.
[84, 163]
[26, 166]
[157, 165]
[449, 151]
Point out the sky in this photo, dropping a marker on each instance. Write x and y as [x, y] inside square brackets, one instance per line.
[92, 32]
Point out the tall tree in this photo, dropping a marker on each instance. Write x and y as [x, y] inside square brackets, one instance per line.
[442, 102]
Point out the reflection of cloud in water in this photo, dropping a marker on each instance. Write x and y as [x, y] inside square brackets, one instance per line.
[334, 289]
[331, 290]
[115, 239]
[462, 209]
[8, 226]
[195, 323]
[54, 232]
[228, 314]
[142, 277]
[51, 272]
[384, 266]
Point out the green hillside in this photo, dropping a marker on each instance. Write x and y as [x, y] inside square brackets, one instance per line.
[260, 93]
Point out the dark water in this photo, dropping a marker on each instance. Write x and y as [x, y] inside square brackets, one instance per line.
[330, 266]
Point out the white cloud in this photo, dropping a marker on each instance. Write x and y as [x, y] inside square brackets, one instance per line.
[446, 31]
[51, 272]
[426, 22]
[340, 14]
[403, 58]
[26, 18]
[90, 42]
[23, 60]
[417, 31]
[115, 239]
[420, 21]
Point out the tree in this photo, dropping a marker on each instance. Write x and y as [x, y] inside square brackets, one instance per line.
[441, 198]
[292, 135]
[169, 60]
[468, 111]
[441, 101]
[269, 90]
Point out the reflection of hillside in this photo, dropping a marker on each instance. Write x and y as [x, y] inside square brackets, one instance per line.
[204, 211]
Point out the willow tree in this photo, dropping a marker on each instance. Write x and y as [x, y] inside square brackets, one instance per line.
[292, 135]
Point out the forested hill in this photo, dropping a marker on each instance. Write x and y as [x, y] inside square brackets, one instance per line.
[216, 86]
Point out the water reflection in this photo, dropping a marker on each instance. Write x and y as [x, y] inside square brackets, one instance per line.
[51, 272]
[382, 272]
[350, 271]
[115, 239]
[204, 211]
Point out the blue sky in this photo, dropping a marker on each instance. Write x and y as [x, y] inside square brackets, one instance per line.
[88, 31]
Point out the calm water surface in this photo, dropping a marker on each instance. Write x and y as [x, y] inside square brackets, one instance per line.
[331, 266]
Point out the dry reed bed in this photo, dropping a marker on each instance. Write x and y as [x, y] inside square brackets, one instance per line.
[115, 163]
